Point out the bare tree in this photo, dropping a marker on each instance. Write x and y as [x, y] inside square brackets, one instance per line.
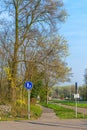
[28, 20]
[51, 55]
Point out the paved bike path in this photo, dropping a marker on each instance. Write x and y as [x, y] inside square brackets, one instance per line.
[48, 117]
[48, 121]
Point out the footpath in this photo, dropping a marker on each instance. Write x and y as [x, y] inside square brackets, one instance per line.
[48, 121]
[49, 118]
[48, 115]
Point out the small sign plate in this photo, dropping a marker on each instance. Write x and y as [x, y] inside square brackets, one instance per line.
[76, 95]
[28, 85]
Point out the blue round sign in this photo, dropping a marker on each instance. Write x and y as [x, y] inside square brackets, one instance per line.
[28, 85]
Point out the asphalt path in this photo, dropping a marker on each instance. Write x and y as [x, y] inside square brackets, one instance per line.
[48, 121]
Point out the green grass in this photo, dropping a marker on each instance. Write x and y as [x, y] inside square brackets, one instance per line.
[71, 103]
[36, 111]
[81, 105]
[64, 113]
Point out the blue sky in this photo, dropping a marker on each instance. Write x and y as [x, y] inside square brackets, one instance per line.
[75, 31]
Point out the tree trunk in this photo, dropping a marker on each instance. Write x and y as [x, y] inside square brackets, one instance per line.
[46, 94]
[15, 57]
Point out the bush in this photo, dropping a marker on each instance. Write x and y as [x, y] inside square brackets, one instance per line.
[19, 111]
[22, 111]
[36, 111]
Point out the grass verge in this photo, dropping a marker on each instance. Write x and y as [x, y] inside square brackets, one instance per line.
[64, 113]
[71, 103]
[21, 113]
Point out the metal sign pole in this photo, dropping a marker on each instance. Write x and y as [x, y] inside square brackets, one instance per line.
[76, 108]
[28, 104]
[76, 92]
[28, 85]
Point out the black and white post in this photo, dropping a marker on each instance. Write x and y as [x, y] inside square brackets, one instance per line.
[76, 96]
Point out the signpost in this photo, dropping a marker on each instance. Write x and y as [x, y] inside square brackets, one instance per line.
[76, 96]
[28, 85]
